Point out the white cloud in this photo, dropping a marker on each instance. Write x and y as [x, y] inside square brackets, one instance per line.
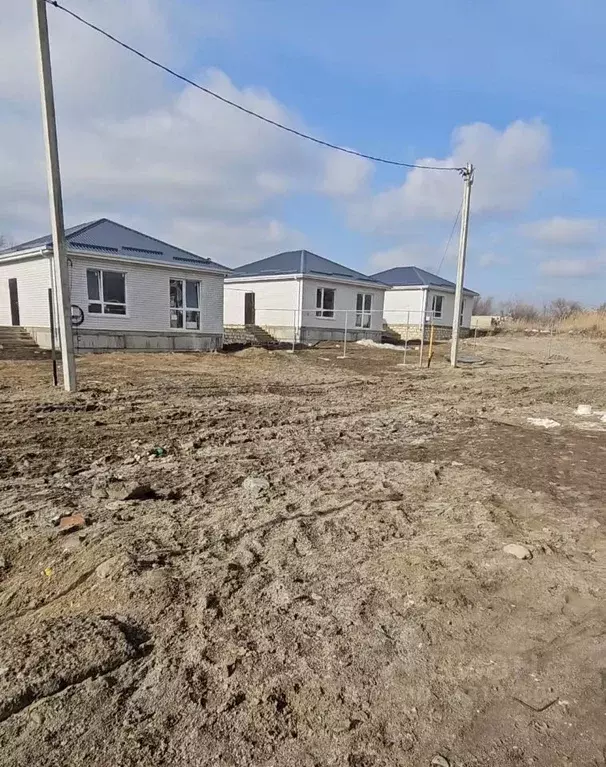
[166, 159]
[572, 267]
[512, 165]
[345, 175]
[563, 232]
[487, 260]
[411, 255]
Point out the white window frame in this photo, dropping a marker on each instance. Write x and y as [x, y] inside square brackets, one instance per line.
[437, 315]
[101, 300]
[462, 312]
[364, 315]
[183, 310]
[326, 314]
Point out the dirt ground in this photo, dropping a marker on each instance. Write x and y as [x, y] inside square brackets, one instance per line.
[297, 560]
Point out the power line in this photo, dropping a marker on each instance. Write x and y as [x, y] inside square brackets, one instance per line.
[234, 104]
[452, 231]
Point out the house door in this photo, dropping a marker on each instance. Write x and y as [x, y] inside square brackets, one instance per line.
[249, 308]
[14, 299]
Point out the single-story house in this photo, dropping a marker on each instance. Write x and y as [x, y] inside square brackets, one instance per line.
[127, 291]
[306, 298]
[419, 298]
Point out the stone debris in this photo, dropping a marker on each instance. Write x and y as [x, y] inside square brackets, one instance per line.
[71, 523]
[119, 490]
[546, 423]
[255, 486]
[517, 550]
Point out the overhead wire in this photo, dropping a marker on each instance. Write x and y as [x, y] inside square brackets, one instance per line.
[452, 231]
[235, 105]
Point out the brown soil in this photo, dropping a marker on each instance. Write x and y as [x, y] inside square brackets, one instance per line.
[355, 608]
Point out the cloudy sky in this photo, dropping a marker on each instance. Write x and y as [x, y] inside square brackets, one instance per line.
[516, 88]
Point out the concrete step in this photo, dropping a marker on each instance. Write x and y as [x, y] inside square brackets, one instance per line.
[16, 343]
[247, 335]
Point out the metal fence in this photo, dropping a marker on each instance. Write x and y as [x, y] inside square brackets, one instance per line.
[406, 328]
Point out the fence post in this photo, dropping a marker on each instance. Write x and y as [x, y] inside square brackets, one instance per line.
[294, 330]
[345, 336]
[431, 335]
[422, 340]
[406, 336]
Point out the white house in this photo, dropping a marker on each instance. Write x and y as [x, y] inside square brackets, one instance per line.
[303, 297]
[127, 291]
[418, 298]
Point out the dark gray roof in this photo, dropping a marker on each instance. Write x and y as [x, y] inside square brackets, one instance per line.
[411, 276]
[107, 237]
[300, 262]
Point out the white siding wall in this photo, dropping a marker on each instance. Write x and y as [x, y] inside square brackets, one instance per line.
[147, 296]
[345, 299]
[404, 305]
[275, 302]
[448, 308]
[33, 282]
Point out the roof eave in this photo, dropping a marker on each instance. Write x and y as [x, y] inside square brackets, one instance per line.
[15, 255]
[234, 277]
[214, 269]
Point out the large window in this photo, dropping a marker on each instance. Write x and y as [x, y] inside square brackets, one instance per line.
[325, 302]
[184, 304]
[106, 292]
[363, 309]
[436, 306]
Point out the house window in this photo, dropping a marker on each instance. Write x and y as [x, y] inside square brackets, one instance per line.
[436, 306]
[363, 308]
[184, 304]
[325, 302]
[106, 292]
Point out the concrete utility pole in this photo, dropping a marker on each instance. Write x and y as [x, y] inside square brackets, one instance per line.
[64, 320]
[458, 301]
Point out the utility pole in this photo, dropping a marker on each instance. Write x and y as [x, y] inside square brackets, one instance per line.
[64, 320]
[467, 174]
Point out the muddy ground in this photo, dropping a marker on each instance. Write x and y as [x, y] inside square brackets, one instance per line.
[310, 571]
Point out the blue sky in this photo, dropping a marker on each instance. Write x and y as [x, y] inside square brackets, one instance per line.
[515, 87]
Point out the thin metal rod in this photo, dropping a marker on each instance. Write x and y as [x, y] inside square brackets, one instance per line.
[294, 330]
[345, 336]
[51, 317]
[422, 330]
[431, 334]
[406, 336]
[458, 303]
[55, 198]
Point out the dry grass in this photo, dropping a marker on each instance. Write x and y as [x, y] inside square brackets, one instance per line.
[589, 323]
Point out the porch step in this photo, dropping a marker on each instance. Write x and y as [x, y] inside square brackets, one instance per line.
[16, 343]
[247, 335]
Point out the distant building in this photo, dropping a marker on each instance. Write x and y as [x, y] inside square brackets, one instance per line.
[128, 291]
[418, 298]
[304, 297]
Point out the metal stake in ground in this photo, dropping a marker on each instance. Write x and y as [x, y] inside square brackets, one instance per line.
[51, 316]
[458, 302]
[56, 201]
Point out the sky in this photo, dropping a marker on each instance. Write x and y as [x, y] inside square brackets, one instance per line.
[517, 88]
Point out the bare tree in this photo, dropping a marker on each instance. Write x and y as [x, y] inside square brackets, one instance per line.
[5, 242]
[520, 310]
[483, 305]
[562, 308]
